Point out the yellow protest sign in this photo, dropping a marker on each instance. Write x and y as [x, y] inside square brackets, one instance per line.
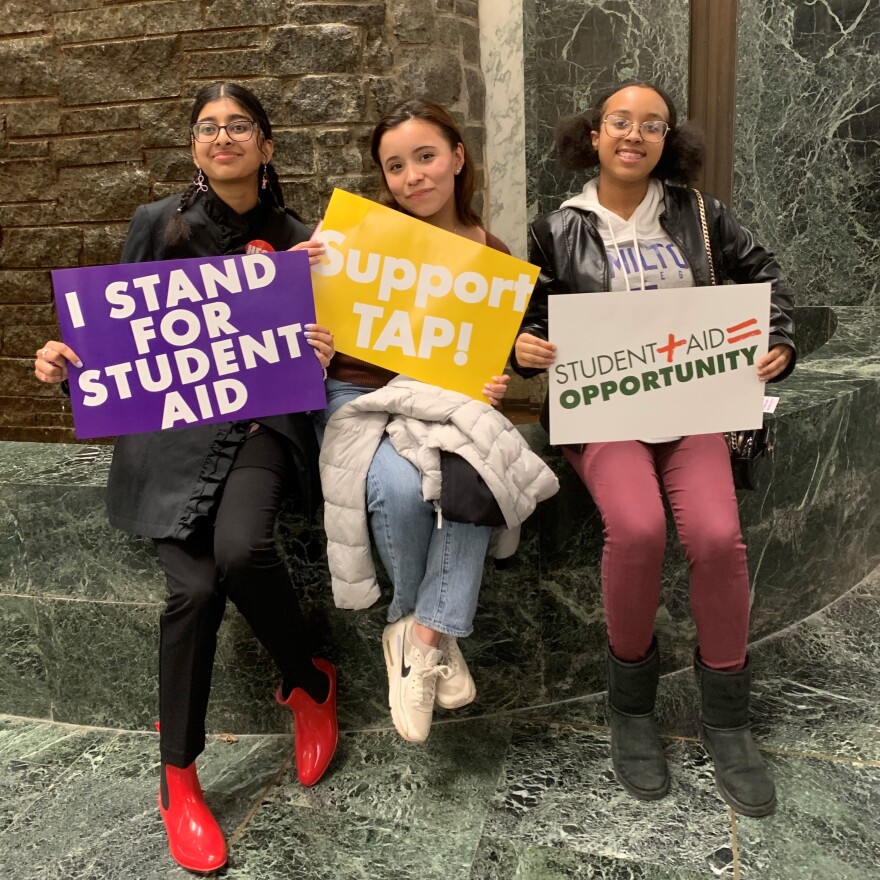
[402, 294]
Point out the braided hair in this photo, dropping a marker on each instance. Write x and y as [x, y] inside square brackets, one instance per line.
[177, 229]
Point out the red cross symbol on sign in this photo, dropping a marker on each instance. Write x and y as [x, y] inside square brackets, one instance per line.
[669, 348]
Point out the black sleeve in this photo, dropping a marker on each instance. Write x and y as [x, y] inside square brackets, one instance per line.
[301, 232]
[541, 254]
[745, 261]
[139, 246]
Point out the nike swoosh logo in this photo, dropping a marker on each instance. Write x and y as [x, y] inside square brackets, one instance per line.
[404, 669]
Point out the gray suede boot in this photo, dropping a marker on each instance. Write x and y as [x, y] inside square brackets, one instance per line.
[636, 753]
[740, 774]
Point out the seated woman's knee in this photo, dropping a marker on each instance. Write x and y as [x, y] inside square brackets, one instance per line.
[238, 552]
[713, 543]
[633, 529]
[399, 489]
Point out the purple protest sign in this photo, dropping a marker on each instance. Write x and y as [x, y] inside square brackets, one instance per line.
[183, 342]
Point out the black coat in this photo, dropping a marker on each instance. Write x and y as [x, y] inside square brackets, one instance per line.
[162, 483]
[568, 248]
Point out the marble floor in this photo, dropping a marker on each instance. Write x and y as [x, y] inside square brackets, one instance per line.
[527, 794]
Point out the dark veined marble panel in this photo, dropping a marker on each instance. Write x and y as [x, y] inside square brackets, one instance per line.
[813, 686]
[558, 790]
[807, 156]
[24, 685]
[94, 817]
[574, 50]
[826, 826]
[54, 464]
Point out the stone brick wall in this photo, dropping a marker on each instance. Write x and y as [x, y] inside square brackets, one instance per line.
[94, 107]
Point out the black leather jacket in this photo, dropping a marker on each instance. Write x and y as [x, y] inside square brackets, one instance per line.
[567, 247]
[161, 484]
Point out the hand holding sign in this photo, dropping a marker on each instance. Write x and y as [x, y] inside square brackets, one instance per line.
[413, 298]
[314, 247]
[51, 361]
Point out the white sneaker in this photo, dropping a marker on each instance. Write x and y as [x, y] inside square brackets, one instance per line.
[412, 680]
[458, 688]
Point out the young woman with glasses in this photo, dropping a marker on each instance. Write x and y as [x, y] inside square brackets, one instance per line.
[209, 495]
[633, 228]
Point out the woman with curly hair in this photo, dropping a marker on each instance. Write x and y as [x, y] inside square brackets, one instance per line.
[637, 226]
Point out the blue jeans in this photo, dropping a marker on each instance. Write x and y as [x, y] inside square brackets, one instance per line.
[436, 573]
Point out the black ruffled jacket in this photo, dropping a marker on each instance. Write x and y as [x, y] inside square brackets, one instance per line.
[160, 484]
[567, 247]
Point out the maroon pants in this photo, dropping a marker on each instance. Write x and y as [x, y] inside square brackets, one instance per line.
[626, 480]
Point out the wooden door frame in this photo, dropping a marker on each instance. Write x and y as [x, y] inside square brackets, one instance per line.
[712, 89]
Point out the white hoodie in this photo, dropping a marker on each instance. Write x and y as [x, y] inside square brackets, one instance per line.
[659, 264]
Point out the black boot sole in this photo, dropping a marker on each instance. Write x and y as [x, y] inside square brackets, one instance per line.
[643, 794]
[753, 811]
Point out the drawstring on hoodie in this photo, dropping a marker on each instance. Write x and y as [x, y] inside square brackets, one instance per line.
[636, 249]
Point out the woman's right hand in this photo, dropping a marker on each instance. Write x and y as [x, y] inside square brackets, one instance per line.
[51, 362]
[534, 352]
[314, 247]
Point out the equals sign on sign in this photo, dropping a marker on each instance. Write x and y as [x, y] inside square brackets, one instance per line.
[737, 328]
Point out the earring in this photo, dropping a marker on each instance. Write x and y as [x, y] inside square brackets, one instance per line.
[201, 186]
[458, 169]
[265, 181]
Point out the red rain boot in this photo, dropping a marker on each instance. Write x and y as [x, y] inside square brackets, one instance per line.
[194, 837]
[315, 727]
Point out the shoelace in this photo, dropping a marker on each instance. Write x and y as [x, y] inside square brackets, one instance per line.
[454, 666]
[420, 680]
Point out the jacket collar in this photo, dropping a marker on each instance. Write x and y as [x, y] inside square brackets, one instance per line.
[218, 211]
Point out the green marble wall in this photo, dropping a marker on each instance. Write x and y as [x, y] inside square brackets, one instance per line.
[806, 153]
[807, 158]
[576, 49]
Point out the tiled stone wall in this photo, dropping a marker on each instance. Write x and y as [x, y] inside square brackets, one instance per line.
[94, 107]
[807, 160]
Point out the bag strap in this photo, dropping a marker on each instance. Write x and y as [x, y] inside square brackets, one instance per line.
[705, 227]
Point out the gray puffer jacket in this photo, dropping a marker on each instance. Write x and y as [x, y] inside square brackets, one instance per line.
[420, 420]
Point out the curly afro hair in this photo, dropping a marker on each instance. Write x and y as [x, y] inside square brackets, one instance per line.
[683, 149]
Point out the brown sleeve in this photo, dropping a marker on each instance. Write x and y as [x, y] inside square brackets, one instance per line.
[495, 242]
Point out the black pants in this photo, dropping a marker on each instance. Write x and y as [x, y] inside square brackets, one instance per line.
[234, 557]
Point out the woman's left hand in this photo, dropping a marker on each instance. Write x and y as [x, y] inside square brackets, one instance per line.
[774, 362]
[496, 389]
[321, 340]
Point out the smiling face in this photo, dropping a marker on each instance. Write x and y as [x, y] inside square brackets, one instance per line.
[419, 167]
[225, 160]
[630, 159]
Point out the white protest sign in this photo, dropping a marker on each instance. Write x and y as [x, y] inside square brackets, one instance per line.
[663, 363]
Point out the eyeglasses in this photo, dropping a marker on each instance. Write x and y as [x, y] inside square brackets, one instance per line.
[208, 132]
[653, 130]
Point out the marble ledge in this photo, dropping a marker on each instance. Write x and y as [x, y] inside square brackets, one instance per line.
[54, 464]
